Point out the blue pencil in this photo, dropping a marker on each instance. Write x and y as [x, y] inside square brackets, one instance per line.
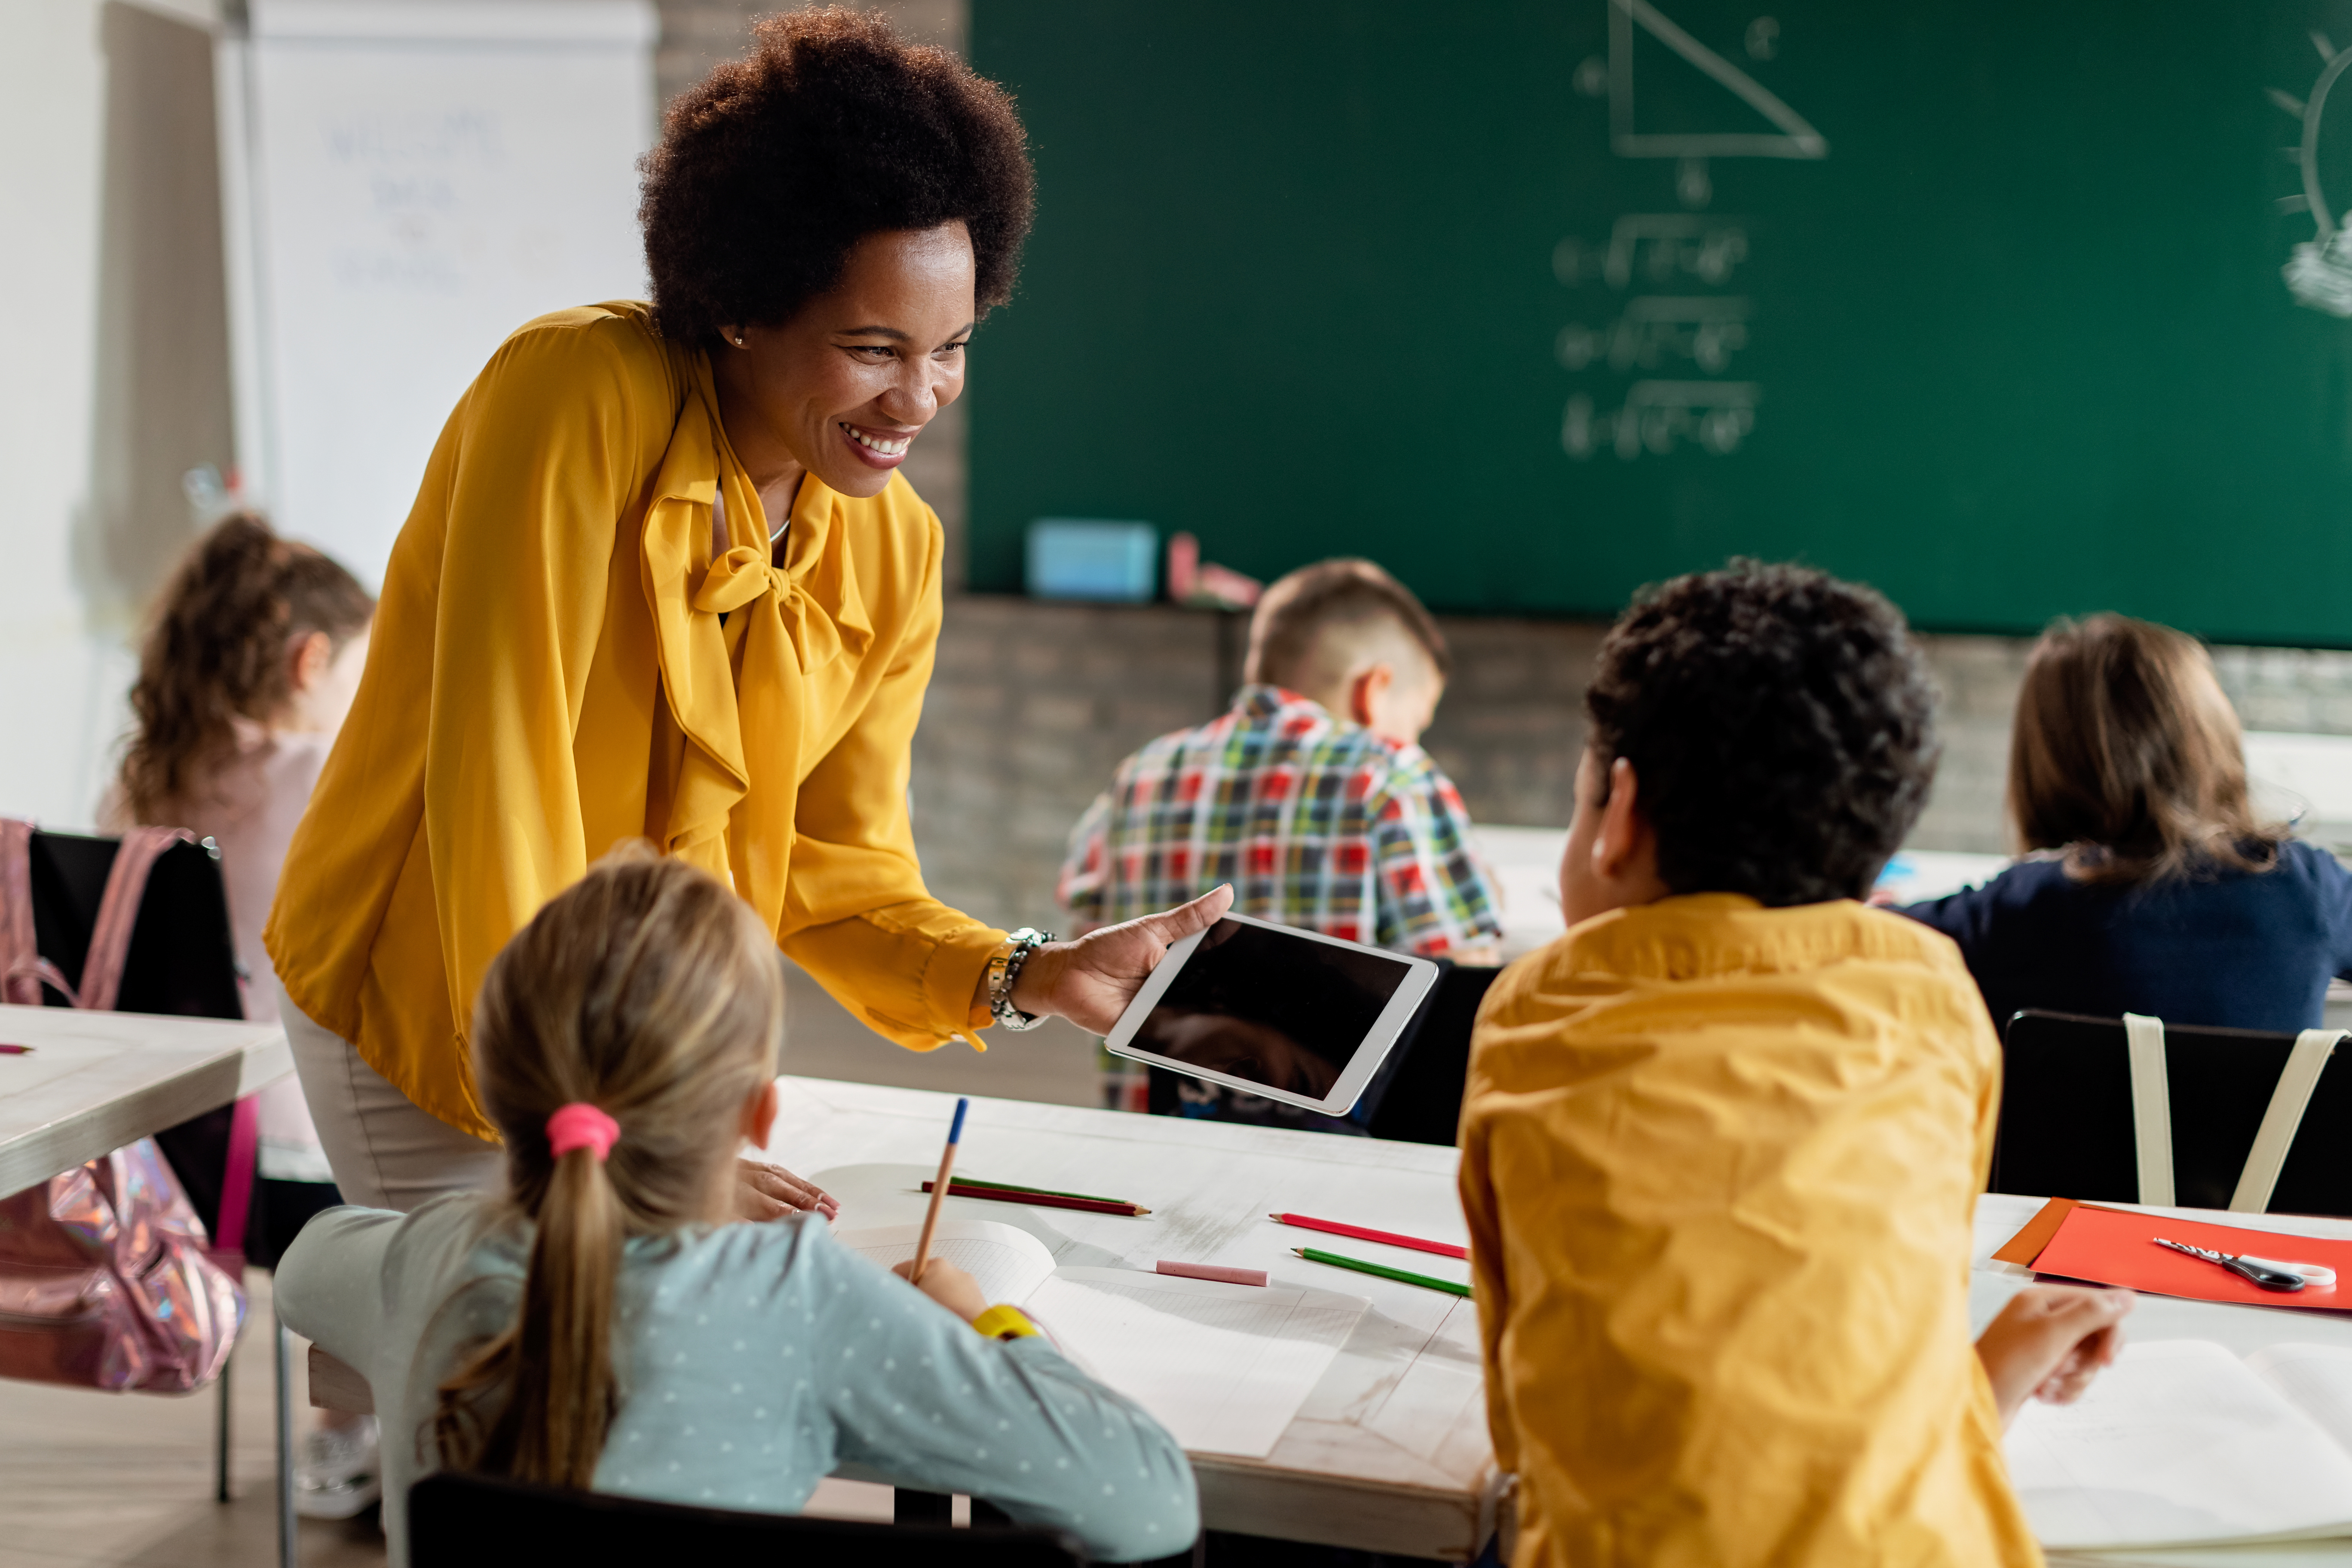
[939, 1192]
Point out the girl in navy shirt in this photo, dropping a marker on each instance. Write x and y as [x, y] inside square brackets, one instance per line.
[2149, 886]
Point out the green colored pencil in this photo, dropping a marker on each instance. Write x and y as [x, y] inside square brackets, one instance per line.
[1341, 1260]
[1041, 1192]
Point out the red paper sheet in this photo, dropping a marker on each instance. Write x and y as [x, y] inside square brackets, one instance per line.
[2109, 1247]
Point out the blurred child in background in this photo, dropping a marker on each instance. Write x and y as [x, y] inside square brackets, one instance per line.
[2150, 885]
[1311, 795]
[248, 667]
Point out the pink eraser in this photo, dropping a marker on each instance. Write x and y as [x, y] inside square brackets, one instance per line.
[1211, 1271]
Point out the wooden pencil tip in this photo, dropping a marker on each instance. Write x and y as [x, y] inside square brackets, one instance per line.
[1140, 1209]
[1299, 1252]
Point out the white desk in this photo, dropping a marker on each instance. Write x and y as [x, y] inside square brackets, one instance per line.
[2243, 1329]
[1390, 1452]
[95, 1081]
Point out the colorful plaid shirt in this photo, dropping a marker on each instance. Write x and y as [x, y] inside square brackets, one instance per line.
[1317, 823]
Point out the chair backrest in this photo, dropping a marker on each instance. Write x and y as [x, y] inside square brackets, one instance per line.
[182, 959]
[2067, 1128]
[1421, 1101]
[471, 1522]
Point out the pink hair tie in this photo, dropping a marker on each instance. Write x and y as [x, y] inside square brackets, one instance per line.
[581, 1125]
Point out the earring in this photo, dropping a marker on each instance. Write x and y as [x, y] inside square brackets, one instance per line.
[739, 339]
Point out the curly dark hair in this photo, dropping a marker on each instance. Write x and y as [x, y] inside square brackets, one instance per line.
[1781, 728]
[216, 651]
[831, 128]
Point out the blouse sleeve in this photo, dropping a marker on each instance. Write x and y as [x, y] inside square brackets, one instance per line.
[857, 915]
[548, 462]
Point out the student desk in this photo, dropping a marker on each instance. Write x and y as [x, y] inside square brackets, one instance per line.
[95, 1081]
[1389, 1453]
[2243, 1329]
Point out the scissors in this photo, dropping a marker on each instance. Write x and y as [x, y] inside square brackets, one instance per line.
[2261, 1271]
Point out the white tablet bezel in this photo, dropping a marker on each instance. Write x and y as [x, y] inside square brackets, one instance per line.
[1419, 975]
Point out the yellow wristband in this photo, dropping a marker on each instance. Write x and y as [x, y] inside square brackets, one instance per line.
[1005, 1324]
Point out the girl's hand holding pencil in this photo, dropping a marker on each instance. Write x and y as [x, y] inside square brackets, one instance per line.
[950, 1287]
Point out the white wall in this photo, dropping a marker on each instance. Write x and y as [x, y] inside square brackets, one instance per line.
[113, 341]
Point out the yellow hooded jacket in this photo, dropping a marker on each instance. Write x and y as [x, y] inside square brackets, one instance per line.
[1719, 1164]
[559, 664]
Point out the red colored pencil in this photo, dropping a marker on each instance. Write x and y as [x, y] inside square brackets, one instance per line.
[1442, 1248]
[1040, 1200]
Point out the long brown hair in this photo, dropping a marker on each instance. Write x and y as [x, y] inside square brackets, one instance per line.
[2127, 757]
[650, 991]
[219, 649]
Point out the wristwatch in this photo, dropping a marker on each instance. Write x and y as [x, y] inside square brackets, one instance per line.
[1005, 968]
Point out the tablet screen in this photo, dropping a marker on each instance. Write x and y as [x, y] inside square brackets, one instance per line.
[1271, 1007]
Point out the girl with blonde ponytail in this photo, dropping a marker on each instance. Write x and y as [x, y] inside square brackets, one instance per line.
[599, 1324]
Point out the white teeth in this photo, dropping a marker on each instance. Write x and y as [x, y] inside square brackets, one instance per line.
[888, 448]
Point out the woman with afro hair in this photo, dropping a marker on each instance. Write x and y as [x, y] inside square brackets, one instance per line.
[662, 581]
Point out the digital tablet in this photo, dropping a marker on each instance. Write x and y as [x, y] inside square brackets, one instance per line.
[1272, 1011]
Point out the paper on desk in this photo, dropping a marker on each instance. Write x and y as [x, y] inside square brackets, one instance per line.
[1224, 1367]
[1005, 1261]
[2179, 1443]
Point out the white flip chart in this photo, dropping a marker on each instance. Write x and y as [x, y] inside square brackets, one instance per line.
[408, 181]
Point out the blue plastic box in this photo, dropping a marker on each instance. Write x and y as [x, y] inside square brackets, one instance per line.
[1078, 558]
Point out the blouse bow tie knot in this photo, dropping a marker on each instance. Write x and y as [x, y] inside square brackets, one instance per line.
[743, 575]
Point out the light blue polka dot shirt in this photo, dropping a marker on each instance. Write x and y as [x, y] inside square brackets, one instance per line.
[754, 1360]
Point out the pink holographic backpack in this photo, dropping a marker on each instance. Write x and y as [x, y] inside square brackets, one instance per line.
[105, 1280]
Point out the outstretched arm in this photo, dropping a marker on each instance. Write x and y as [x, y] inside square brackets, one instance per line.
[1091, 980]
[2050, 1341]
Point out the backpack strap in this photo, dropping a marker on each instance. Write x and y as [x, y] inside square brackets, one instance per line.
[117, 912]
[2304, 1063]
[2151, 1108]
[22, 970]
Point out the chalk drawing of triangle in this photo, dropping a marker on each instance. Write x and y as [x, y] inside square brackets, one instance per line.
[1793, 139]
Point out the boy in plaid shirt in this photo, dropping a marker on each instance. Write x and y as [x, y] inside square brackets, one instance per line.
[1312, 796]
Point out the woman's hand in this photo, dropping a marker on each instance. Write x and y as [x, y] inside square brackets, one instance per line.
[765, 1192]
[949, 1285]
[2050, 1341]
[1091, 980]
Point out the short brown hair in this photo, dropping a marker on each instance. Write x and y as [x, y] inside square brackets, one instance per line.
[2126, 756]
[770, 169]
[1293, 616]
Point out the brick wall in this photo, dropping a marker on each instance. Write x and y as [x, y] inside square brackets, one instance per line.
[1033, 704]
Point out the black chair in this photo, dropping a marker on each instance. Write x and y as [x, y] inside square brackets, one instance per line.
[2067, 1128]
[182, 960]
[468, 1521]
[1421, 1099]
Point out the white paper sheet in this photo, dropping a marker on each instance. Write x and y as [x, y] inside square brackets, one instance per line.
[1223, 1367]
[2315, 1379]
[1007, 1263]
[2179, 1443]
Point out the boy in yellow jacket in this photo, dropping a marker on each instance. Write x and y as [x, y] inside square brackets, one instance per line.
[1723, 1139]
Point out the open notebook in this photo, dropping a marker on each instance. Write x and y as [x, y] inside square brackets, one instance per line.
[1223, 1367]
[2181, 1443]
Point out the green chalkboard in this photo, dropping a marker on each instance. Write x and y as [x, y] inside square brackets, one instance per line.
[1535, 302]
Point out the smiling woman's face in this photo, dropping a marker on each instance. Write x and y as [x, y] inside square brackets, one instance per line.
[843, 388]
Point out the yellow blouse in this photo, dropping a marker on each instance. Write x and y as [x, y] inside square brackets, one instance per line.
[559, 664]
[1720, 1165]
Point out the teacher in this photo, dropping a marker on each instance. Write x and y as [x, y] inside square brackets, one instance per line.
[662, 582]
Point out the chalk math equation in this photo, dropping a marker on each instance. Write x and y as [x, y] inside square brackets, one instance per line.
[1672, 318]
